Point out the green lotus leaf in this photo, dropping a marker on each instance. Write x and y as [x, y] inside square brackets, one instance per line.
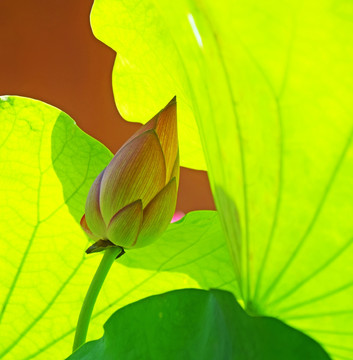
[47, 167]
[271, 87]
[147, 70]
[196, 324]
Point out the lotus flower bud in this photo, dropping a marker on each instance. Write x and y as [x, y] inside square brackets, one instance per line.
[133, 199]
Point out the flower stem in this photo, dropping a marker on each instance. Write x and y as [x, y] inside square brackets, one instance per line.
[88, 304]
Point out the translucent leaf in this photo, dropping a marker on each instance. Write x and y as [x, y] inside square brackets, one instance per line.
[147, 70]
[271, 87]
[47, 166]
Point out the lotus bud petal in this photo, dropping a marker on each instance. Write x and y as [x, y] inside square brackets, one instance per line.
[137, 171]
[133, 199]
[165, 125]
[166, 129]
[178, 215]
[158, 214]
[93, 213]
[86, 229]
[175, 172]
[125, 225]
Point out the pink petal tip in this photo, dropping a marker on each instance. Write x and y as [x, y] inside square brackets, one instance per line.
[177, 216]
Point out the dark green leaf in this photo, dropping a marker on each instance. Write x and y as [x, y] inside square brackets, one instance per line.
[196, 324]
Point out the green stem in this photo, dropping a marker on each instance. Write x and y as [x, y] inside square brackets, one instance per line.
[88, 304]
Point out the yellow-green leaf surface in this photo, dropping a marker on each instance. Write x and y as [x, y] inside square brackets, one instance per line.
[47, 165]
[147, 70]
[271, 87]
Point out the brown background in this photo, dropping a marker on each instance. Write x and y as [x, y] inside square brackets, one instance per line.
[48, 52]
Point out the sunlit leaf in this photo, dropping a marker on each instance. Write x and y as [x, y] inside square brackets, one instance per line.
[47, 165]
[147, 70]
[271, 87]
